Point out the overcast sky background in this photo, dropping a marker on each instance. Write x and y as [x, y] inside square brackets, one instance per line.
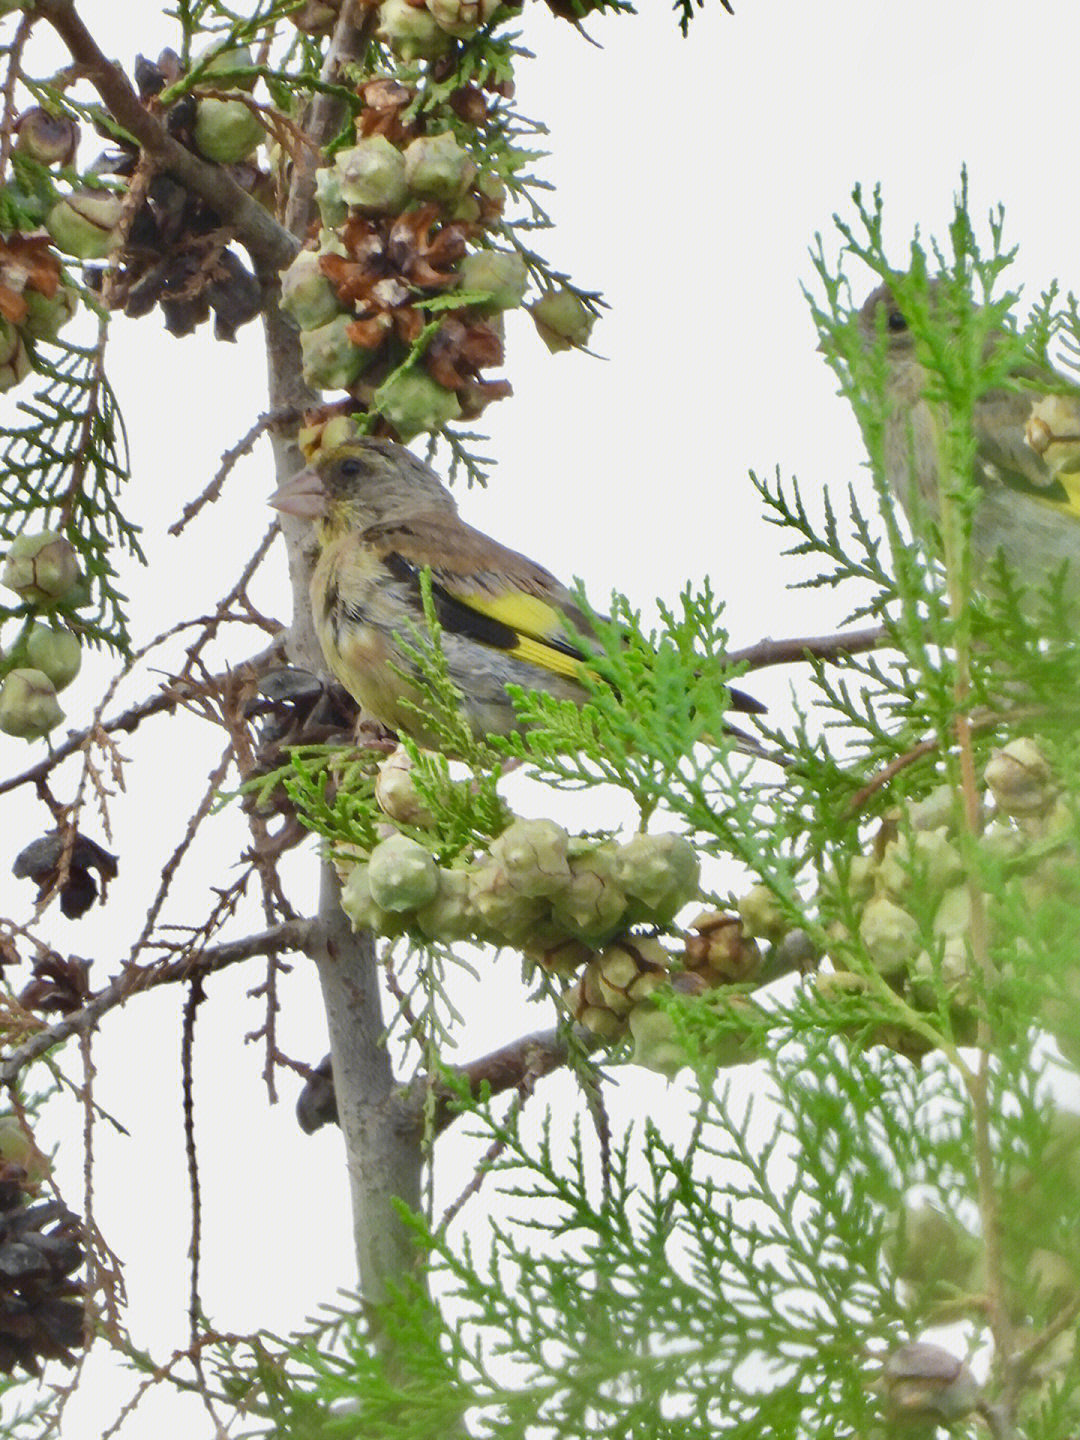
[690, 178]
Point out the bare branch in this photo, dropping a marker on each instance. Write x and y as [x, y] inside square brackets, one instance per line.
[290, 935]
[516, 1066]
[14, 65]
[808, 647]
[228, 460]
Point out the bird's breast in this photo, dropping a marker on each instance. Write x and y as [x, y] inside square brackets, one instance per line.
[348, 608]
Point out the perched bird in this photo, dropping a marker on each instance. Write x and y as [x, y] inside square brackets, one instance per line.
[382, 516]
[1026, 460]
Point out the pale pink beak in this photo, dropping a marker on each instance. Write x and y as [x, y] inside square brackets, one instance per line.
[301, 495]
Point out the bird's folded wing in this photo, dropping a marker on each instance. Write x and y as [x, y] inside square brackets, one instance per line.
[488, 593]
[998, 421]
[496, 596]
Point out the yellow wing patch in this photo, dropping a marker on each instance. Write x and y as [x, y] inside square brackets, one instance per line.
[533, 620]
[537, 653]
[1070, 505]
[1070, 483]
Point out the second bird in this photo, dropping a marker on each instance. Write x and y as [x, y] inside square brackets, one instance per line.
[1024, 508]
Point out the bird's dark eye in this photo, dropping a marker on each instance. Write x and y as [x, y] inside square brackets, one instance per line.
[895, 322]
[351, 466]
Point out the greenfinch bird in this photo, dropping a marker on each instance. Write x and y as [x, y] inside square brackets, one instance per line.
[383, 517]
[1026, 453]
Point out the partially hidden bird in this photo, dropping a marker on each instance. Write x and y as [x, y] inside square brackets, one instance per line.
[382, 518]
[1027, 455]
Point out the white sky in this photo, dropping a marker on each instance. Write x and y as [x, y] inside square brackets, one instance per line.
[690, 179]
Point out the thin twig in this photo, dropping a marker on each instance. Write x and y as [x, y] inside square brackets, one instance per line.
[174, 694]
[11, 80]
[170, 697]
[981, 720]
[83, 441]
[228, 461]
[487, 1161]
[195, 997]
[290, 935]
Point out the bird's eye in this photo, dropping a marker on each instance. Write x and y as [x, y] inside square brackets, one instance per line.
[351, 466]
[895, 322]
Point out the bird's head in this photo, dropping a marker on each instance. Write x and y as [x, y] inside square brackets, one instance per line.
[879, 315]
[362, 483]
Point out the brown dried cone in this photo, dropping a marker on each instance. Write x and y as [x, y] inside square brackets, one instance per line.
[388, 264]
[191, 275]
[63, 861]
[385, 100]
[175, 251]
[41, 1309]
[614, 981]
[30, 279]
[385, 260]
[720, 951]
[385, 256]
[59, 986]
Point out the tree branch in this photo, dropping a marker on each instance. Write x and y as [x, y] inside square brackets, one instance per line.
[289, 935]
[271, 246]
[324, 117]
[809, 647]
[529, 1058]
[524, 1060]
[383, 1152]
